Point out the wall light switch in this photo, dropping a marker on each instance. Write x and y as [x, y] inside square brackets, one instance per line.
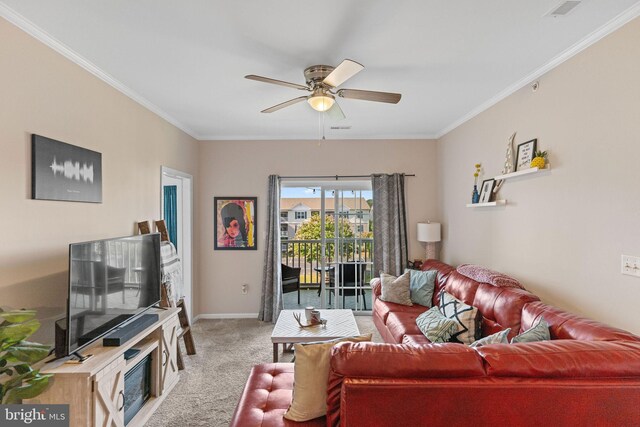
[631, 265]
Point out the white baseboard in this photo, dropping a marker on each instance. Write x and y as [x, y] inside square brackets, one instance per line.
[226, 316]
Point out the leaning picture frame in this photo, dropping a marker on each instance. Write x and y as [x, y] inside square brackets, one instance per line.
[235, 223]
[486, 191]
[524, 154]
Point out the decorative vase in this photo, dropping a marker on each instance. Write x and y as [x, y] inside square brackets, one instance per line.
[475, 196]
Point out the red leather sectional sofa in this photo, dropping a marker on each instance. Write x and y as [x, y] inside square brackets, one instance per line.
[588, 374]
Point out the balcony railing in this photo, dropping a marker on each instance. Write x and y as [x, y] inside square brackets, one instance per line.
[307, 255]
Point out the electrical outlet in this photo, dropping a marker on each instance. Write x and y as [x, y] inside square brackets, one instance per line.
[631, 265]
[245, 288]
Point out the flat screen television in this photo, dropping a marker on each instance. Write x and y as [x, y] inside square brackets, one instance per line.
[111, 282]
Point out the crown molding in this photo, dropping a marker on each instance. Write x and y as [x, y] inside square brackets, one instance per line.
[305, 137]
[613, 25]
[39, 34]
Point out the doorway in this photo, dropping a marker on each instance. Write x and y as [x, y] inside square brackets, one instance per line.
[177, 211]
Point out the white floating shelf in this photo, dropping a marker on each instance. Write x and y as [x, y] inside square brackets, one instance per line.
[522, 172]
[487, 205]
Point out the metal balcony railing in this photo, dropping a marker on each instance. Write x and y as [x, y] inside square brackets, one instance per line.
[306, 255]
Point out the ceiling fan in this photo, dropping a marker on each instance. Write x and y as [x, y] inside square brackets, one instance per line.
[322, 81]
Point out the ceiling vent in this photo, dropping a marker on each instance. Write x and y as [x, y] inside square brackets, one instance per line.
[563, 9]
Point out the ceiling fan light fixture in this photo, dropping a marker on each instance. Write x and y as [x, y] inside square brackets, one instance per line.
[321, 101]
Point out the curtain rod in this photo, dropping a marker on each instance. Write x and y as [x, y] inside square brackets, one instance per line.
[336, 176]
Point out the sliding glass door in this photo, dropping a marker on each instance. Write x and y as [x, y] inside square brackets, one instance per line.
[348, 247]
[327, 237]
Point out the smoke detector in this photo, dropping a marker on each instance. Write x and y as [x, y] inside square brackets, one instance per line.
[563, 9]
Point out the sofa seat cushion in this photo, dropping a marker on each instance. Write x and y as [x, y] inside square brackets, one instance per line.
[400, 324]
[266, 397]
[565, 325]
[383, 308]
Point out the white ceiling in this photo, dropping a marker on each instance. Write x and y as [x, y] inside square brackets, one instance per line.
[186, 60]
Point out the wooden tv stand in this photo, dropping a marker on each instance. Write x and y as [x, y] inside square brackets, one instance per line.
[94, 389]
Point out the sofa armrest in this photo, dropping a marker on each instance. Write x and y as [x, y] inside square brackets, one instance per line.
[376, 287]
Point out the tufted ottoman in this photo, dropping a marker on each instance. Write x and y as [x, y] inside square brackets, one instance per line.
[267, 396]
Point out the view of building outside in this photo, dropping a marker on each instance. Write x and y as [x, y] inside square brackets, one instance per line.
[300, 229]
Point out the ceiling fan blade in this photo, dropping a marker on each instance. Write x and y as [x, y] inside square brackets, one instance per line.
[275, 82]
[369, 95]
[342, 73]
[335, 112]
[284, 104]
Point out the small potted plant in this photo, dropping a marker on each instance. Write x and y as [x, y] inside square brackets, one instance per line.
[18, 380]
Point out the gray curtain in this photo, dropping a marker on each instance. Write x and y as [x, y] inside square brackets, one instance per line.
[271, 300]
[389, 224]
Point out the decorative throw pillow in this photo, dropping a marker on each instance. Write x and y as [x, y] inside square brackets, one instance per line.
[311, 373]
[435, 326]
[467, 317]
[422, 285]
[497, 338]
[538, 332]
[396, 289]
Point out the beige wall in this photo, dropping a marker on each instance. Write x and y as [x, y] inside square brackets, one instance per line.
[42, 92]
[241, 168]
[562, 232]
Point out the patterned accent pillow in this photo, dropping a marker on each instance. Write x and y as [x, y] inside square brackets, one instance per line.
[497, 338]
[467, 317]
[396, 289]
[422, 285]
[435, 326]
[538, 332]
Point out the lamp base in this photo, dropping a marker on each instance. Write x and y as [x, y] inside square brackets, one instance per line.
[432, 250]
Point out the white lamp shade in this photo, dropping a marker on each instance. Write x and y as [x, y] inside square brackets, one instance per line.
[429, 232]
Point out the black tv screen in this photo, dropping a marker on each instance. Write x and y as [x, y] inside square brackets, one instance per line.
[110, 282]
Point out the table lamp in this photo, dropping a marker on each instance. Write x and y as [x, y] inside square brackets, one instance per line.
[429, 232]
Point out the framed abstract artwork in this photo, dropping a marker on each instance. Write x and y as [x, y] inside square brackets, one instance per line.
[235, 223]
[61, 171]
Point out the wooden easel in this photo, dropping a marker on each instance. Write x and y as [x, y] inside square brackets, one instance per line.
[185, 324]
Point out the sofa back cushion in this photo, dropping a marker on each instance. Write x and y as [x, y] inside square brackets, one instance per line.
[562, 359]
[501, 308]
[564, 325]
[441, 278]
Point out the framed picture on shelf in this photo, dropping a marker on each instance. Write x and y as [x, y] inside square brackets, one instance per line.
[524, 154]
[487, 190]
[235, 223]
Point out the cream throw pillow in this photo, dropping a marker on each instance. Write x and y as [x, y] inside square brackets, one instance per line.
[310, 377]
[396, 289]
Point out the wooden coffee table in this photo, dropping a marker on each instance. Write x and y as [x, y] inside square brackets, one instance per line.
[340, 324]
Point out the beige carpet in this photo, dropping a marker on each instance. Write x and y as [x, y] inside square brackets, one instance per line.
[213, 379]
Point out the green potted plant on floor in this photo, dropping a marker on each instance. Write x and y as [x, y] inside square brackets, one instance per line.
[18, 380]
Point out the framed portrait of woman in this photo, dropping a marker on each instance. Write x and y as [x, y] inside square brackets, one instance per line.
[235, 223]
